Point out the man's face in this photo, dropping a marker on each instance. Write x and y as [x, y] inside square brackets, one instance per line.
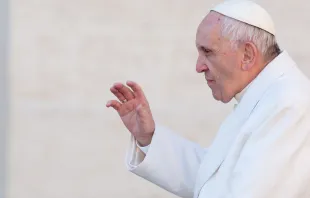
[217, 59]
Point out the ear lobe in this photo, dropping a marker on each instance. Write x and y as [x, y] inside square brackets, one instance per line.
[250, 53]
[245, 67]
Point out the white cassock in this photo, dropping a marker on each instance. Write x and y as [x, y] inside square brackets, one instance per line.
[262, 149]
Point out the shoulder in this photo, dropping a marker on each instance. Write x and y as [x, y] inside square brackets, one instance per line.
[290, 91]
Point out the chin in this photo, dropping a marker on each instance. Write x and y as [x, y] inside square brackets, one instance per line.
[226, 101]
[222, 99]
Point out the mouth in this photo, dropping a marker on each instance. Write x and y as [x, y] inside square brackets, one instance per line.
[210, 81]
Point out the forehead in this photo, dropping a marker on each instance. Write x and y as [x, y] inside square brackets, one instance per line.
[208, 32]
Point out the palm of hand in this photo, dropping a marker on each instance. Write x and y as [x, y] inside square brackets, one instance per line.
[134, 111]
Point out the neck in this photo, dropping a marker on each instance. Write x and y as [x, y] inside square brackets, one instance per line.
[247, 79]
[251, 75]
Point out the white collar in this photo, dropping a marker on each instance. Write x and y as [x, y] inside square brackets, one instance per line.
[239, 95]
[253, 92]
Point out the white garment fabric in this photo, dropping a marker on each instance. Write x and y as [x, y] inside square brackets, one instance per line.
[262, 149]
[144, 149]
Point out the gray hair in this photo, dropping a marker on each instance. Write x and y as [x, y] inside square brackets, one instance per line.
[238, 31]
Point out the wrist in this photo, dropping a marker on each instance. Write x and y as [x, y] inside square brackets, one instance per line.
[145, 141]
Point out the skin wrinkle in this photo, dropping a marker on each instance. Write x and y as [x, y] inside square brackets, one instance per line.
[227, 68]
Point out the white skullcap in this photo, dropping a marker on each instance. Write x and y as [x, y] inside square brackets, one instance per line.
[247, 12]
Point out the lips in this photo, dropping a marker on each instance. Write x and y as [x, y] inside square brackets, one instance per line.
[209, 80]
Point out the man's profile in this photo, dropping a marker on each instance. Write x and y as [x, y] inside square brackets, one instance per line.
[262, 149]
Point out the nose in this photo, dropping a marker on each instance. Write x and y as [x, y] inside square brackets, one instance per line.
[200, 65]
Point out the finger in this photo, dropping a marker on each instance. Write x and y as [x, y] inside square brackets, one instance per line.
[114, 104]
[127, 93]
[119, 95]
[137, 89]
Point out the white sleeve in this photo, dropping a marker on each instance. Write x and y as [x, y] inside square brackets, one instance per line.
[171, 162]
[144, 149]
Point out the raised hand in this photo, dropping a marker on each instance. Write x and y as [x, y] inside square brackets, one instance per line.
[134, 110]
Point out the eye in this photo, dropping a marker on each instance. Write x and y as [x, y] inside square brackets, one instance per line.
[206, 51]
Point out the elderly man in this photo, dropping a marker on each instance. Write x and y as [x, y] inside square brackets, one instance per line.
[262, 149]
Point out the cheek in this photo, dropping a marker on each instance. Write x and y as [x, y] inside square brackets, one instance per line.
[213, 65]
[227, 68]
[220, 71]
[222, 68]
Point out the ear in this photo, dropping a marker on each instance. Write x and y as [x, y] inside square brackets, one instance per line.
[249, 56]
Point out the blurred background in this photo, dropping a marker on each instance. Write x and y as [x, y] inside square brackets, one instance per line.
[58, 61]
